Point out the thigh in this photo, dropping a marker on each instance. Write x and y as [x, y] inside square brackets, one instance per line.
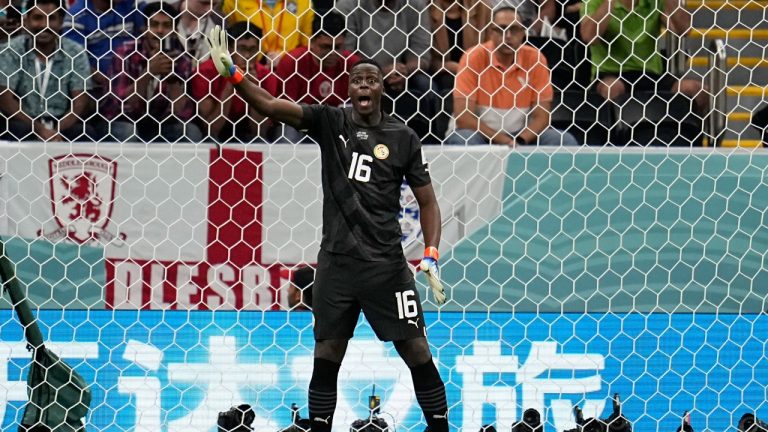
[121, 131]
[418, 83]
[79, 131]
[172, 131]
[611, 86]
[466, 137]
[291, 135]
[391, 302]
[334, 306]
[555, 137]
[651, 83]
[193, 133]
[148, 130]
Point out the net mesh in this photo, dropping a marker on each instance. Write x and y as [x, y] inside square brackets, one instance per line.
[165, 259]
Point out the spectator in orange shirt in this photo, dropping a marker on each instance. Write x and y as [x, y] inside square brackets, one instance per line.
[318, 74]
[503, 92]
[222, 111]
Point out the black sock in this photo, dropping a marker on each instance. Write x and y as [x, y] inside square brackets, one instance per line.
[322, 394]
[430, 392]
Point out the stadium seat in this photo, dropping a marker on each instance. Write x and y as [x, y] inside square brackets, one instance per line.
[584, 114]
[658, 119]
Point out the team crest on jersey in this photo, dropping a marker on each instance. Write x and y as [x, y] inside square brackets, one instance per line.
[291, 6]
[381, 152]
[362, 135]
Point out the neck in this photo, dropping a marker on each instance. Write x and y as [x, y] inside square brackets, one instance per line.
[101, 5]
[45, 50]
[372, 119]
[505, 59]
[188, 20]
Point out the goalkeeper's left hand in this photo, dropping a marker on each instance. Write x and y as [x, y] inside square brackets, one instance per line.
[217, 40]
[429, 267]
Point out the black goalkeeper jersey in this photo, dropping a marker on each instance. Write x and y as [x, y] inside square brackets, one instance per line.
[362, 171]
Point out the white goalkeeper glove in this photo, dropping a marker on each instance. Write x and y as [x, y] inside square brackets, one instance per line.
[429, 267]
[217, 40]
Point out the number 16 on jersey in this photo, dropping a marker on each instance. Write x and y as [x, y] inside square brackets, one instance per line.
[360, 168]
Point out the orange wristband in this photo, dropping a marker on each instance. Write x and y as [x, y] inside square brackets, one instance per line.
[432, 252]
[237, 76]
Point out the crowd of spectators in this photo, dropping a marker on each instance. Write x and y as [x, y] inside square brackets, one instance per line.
[460, 72]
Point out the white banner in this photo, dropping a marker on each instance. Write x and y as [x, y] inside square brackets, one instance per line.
[136, 201]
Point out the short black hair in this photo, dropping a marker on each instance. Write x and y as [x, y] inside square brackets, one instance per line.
[26, 6]
[501, 8]
[243, 30]
[160, 6]
[367, 61]
[331, 24]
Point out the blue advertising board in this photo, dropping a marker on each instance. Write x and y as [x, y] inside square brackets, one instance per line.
[175, 370]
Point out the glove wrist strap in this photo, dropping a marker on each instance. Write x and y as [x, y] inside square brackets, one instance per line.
[431, 252]
[237, 75]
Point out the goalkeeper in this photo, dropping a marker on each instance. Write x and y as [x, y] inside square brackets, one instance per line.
[361, 266]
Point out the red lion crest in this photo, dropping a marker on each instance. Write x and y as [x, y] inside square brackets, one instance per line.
[82, 190]
[83, 193]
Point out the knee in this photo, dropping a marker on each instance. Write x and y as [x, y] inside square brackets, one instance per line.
[419, 83]
[556, 137]
[465, 137]
[291, 135]
[611, 90]
[193, 133]
[414, 352]
[694, 90]
[689, 88]
[121, 131]
[331, 349]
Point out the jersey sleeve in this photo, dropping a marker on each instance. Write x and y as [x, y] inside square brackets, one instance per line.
[417, 173]
[590, 6]
[312, 114]
[321, 122]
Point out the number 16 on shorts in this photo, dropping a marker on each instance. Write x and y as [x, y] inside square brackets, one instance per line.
[406, 305]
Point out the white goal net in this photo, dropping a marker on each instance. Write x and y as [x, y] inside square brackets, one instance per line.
[160, 269]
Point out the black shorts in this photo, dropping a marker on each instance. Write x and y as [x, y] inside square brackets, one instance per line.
[384, 291]
[643, 82]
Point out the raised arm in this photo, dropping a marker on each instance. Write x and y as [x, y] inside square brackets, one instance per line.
[262, 101]
[281, 110]
[677, 18]
[595, 21]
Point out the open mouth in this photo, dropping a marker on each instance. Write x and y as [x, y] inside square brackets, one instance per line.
[364, 101]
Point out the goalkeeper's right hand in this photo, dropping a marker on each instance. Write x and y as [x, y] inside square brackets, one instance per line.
[430, 269]
[220, 56]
